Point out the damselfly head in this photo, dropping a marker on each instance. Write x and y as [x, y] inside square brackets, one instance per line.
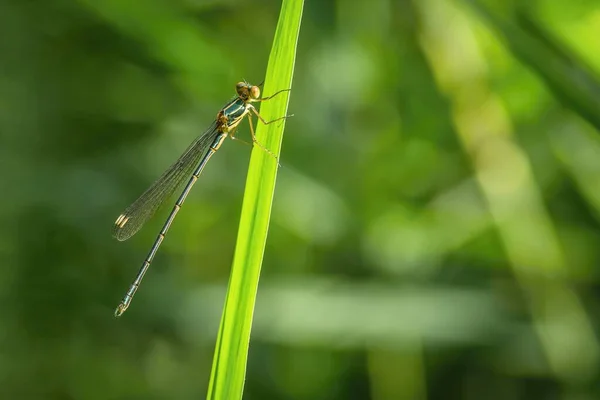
[247, 91]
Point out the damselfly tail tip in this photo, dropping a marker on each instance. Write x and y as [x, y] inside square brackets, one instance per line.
[121, 308]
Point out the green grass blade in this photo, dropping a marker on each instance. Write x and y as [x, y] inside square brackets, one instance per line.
[231, 352]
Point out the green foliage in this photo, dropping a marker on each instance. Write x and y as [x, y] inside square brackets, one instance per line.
[434, 228]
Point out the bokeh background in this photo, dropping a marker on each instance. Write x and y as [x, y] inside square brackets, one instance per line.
[435, 232]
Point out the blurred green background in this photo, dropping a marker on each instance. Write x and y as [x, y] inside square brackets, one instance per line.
[435, 232]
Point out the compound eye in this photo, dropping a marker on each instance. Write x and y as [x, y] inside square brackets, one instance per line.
[240, 87]
[254, 92]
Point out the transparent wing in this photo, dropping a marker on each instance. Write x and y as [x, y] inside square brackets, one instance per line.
[137, 214]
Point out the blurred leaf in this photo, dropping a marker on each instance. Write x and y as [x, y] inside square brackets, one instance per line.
[565, 74]
[173, 38]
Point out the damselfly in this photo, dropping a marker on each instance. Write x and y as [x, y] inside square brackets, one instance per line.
[190, 164]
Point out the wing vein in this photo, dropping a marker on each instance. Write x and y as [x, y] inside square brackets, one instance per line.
[141, 210]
